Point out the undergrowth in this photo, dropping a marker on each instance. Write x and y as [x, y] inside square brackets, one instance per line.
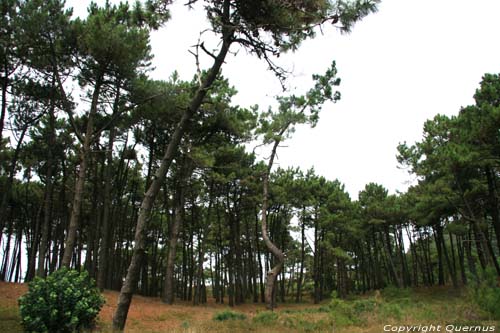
[229, 315]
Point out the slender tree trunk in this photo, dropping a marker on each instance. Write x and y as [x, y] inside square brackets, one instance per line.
[30, 272]
[276, 252]
[494, 205]
[298, 296]
[316, 263]
[168, 296]
[132, 277]
[48, 195]
[74, 222]
[106, 216]
[3, 112]
[392, 267]
[453, 257]
[486, 251]
[6, 253]
[94, 221]
[437, 236]
[15, 262]
[470, 259]
[461, 259]
[7, 190]
[447, 258]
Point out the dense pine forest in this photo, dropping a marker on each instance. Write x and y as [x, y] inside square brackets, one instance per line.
[152, 187]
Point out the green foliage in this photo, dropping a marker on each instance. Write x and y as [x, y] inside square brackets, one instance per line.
[290, 22]
[295, 110]
[342, 312]
[229, 315]
[304, 325]
[266, 317]
[65, 301]
[364, 305]
[486, 293]
[347, 313]
[392, 292]
[391, 310]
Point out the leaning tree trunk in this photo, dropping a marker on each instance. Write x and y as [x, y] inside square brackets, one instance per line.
[277, 253]
[132, 277]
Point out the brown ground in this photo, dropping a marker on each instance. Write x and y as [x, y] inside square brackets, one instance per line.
[145, 315]
[438, 305]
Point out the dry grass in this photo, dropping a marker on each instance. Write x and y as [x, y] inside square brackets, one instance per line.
[148, 315]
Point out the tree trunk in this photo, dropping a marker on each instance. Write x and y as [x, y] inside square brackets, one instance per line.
[276, 252]
[48, 195]
[298, 296]
[3, 111]
[168, 296]
[106, 216]
[74, 222]
[494, 206]
[451, 270]
[132, 277]
[7, 190]
[461, 259]
[439, 243]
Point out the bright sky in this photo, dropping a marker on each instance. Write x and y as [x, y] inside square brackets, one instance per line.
[399, 67]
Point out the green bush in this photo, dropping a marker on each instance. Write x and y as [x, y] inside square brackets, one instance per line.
[229, 315]
[364, 305]
[342, 312]
[65, 301]
[266, 317]
[345, 313]
[391, 310]
[486, 292]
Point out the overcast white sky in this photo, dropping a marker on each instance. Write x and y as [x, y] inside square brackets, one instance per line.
[400, 66]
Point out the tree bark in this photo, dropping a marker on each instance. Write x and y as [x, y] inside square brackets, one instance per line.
[74, 221]
[494, 205]
[276, 252]
[7, 191]
[48, 195]
[132, 277]
[168, 296]
[106, 215]
[298, 297]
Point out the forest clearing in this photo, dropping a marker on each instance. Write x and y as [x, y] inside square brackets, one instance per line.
[439, 305]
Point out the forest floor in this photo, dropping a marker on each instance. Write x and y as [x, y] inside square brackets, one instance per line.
[371, 314]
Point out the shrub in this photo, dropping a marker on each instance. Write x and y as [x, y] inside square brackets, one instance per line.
[345, 313]
[65, 301]
[229, 315]
[266, 317]
[391, 310]
[342, 312]
[364, 305]
[486, 293]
